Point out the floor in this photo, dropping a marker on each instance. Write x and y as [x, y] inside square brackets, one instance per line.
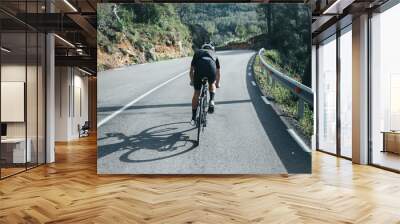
[387, 159]
[10, 171]
[70, 191]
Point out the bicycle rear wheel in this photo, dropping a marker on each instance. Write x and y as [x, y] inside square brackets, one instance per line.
[199, 121]
[204, 106]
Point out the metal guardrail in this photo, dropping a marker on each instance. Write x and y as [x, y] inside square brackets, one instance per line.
[304, 93]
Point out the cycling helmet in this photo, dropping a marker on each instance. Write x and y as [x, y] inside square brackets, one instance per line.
[208, 46]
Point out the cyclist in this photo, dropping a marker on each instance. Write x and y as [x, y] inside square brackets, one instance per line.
[204, 64]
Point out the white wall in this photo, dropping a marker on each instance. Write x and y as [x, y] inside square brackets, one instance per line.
[17, 72]
[14, 72]
[79, 117]
[70, 83]
[61, 103]
[33, 126]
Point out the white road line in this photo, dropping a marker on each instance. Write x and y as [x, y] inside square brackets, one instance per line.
[291, 131]
[253, 83]
[299, 140]
[249, 74]
[111, 116]
[265, 100]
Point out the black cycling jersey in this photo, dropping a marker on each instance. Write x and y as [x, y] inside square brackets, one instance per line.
[205, 64]
[205, 53]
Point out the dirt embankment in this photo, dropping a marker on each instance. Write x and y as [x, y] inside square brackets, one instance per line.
[125, 53]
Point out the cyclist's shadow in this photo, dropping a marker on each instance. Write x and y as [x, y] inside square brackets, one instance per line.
[168, 139]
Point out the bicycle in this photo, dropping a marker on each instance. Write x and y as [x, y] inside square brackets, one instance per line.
[201, 114]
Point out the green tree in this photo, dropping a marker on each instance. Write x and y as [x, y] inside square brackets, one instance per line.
[240, 31]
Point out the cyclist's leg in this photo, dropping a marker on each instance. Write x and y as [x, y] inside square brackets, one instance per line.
[211, 88]
[195, 98]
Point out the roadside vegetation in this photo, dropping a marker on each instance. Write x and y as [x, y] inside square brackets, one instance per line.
[283, 98]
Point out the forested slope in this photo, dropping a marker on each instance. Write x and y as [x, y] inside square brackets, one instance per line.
[139, 33]
[224, 22]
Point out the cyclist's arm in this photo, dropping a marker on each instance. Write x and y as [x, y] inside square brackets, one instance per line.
[191, 73]
[192, 65]
[218, 78]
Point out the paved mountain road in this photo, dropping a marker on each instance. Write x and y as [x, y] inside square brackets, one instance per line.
[153, 134]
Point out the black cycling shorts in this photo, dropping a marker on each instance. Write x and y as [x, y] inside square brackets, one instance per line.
[205, 68]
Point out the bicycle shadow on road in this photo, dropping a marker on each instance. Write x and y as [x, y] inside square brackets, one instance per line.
[152, 144]
[293, 157]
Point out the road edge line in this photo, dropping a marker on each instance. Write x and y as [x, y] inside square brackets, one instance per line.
[115, 113]
[264, 98]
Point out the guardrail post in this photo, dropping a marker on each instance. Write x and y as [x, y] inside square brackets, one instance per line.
[300, 108]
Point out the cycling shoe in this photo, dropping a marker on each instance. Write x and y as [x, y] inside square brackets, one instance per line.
[211, 107]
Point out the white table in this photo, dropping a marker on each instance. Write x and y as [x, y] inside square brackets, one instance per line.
[17, 146]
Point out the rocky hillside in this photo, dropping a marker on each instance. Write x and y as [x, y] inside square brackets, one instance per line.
[139, 33]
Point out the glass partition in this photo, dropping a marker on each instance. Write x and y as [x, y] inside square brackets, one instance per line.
[22, 77]
[346, 92]
[14, 153]
[31, 99]
[385, 89]
[327, 95]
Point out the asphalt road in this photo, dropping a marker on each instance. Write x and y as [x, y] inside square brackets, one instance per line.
[144, 123]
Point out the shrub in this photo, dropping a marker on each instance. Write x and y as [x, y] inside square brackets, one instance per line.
[273, 56]
[306, 122]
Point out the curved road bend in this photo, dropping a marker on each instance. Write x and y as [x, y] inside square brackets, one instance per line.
[151, 134]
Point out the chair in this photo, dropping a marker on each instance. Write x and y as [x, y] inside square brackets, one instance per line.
[84, 130]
